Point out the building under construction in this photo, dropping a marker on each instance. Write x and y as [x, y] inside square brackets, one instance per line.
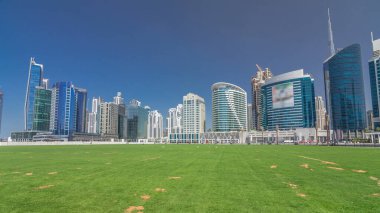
[256, 83]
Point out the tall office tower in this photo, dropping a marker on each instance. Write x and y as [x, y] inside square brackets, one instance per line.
[1, 107]
[109, 119]
[320, 111]
[174, 120]
[122, 117]
[45, 83]
[42, 109]
[370, 123]
[344, 88]
[93, 116]
[229, 108]
[80, 109]
[155, 125]
[62, 116]
[194, 117]
[34, 80]
[249, 117]
[374, 74]
[137, 120]
[256, 83]
[288, 101]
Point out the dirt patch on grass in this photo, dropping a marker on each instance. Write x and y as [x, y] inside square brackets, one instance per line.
[335, 168]
[305, 165]
[292, 185]
[133, 209]
[273, 166]
[29, 174]
[373, 178]
[160, 190]
[322, 161]
[52, 173]
[44, 187]
[375, 195]
[301, 195]
[174, 178]
[359, 171]
[145, 197]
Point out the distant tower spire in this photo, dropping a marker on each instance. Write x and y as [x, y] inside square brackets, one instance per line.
[331, 39]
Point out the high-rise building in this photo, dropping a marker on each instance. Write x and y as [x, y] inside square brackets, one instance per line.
[256, 83]
[288, 101]
[374, 74]
[344, 88]
[229, 108]
[80, 109]
[63, 107]
[42, 109]
[249, 117]
[174, 120]
[109, 119]
[1, 107]
[94, 116]
[137, 120]
[35, 79]
[194, 117]
[370, 123]
[122, 117]
[155, 125]
[320, 111]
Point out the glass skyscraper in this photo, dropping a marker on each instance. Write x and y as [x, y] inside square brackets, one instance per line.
[63, 109]
[374, 74]
[35, 79]
[80, 109]
[288, 101]
[344, 89]
[229, 108]
[42, 108]
[137, 121]
[1, 107]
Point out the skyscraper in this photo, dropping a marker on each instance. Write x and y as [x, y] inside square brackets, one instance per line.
[122, 117]
[175, 120]
[288, 101]
[109, 119]
[374, 74]
[35, 79]
[320, 111]
[256, 83]
[229, 108]
[80, 109]
[344, 88]
[137, 120]
[93, 117]
[42, 109]
[155, 125]
[1, 106]
[62, 116]
[194, 117]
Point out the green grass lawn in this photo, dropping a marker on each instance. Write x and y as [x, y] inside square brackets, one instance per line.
[210, 178]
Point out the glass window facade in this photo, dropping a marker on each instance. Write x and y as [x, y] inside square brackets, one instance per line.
[34, 80]
[137, 122]
[80, 109]
[344, 89]
[374, 74]
[42, 108]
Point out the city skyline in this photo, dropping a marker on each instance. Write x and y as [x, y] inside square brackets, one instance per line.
[238, 69]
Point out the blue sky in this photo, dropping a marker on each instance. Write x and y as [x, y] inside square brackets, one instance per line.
[157, 51]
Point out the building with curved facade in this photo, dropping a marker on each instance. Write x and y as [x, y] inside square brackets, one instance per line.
[288, 101]
[229, 108]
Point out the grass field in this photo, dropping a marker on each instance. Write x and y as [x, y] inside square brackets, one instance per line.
[189, 178]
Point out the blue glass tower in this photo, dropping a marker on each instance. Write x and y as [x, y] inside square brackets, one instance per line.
[288, 101]
[63, 120]
[35, 79]
[374, 74]
[80, 109]
[137, 121]
[344, 89]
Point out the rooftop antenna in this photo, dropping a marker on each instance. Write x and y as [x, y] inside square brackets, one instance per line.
[331, 39]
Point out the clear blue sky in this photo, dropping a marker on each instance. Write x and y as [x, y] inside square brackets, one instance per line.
[157, 51]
